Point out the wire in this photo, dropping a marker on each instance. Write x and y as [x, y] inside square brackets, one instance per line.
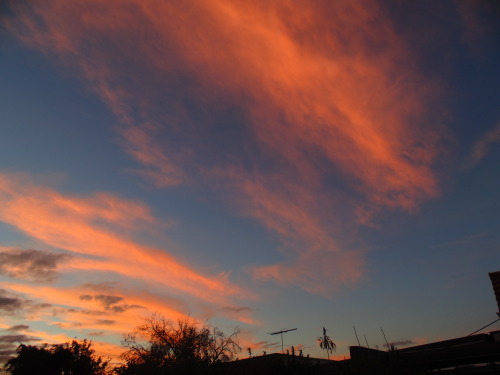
[480, 329]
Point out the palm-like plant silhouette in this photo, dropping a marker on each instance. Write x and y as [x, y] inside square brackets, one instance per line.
[326, 343]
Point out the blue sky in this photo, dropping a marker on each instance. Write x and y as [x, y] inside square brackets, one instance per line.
[261, 166]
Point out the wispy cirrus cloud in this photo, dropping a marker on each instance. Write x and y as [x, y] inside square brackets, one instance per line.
[69, 315]
[140, 144]
[75, 309]
[139, 279]
[78, 225]
[482, 147]
[326, 104]
[320, 263]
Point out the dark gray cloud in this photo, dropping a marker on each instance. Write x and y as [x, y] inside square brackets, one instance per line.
[9, 304]
[92, 312]
[86, 312]
[110, 302]
[96, 334]
[105, 322]
[236, 309]
[107, 301]
[69, 325]
[6, 354]
[9, 343]
[19, 339]
[125, 307]
[107, 286]
[33, 265]
[19, 327]
[13, 304]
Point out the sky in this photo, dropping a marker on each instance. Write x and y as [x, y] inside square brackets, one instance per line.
[259, 165]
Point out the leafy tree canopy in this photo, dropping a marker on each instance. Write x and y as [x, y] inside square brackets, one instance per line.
[71, 358]
[160, 346]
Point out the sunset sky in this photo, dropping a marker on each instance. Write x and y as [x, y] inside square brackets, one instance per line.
[256, 164]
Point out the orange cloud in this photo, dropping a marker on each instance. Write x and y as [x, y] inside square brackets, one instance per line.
[320, 264]
[74, 311]
[82, 312]
[328, 93]
[78, 225]
[159, 168]
[317, 79]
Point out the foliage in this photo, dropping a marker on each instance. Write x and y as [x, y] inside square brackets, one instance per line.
[161, 347]
[326, 343]
[75, 358]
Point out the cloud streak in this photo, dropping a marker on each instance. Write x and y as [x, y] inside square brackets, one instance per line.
[91, 229]
[77, 225]
[323, 101]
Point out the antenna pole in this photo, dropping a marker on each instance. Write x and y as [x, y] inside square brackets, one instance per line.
[359, 344]
[281, 334]
[385, 339]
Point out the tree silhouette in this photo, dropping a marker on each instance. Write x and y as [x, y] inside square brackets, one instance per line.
[75, 358]
[161, 347]
[326, 343]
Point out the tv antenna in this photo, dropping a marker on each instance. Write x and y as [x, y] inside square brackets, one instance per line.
[281, 334]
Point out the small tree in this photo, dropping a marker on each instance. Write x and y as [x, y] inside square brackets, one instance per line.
[78, 358]
[326, 343]
[31, 359]
[159, 347]
[75, 358]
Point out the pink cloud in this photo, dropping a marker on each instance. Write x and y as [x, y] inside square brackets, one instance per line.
[319, 264]
[329, 93]
[335, 97]
[140, 144]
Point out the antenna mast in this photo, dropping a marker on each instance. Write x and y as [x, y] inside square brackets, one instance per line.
[281, 334]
